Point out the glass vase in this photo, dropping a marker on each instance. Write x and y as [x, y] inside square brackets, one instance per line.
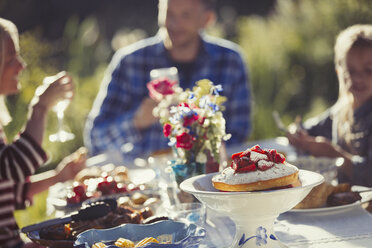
[184, 171]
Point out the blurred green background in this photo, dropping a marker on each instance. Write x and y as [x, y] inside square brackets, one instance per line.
[288, 47]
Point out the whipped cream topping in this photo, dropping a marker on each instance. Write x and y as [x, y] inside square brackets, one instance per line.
[255, 156]
[229, 176]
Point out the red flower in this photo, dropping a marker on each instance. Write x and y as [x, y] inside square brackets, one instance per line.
[160, 87]
[185, 141]
[167, 128]
[190, 119]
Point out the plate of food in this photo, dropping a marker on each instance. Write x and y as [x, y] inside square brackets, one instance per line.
[62, 232]
[167, 233]
[99, 182]
[326, 198]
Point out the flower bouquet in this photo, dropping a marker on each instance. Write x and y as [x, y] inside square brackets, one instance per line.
[194, 124]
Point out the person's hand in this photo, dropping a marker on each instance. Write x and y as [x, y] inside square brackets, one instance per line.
[321, 147]
[54, 89]
[316, 146]
[71, 165]
[144, 117]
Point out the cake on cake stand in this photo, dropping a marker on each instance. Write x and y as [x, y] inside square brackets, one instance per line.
[254, 213]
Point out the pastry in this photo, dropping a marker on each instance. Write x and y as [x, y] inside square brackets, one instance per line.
[145, 241]
[319, 195]
[256, 169]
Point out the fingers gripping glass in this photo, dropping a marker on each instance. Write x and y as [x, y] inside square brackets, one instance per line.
[61, 135]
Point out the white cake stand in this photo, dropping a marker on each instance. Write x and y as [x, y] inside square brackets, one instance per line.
[254, 213]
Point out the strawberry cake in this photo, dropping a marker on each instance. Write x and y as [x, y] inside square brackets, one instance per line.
[256, 169]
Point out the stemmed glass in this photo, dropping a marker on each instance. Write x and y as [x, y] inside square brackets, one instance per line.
[168, 72]
[61, 135]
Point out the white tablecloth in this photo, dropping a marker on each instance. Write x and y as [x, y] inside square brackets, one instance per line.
[347, 228]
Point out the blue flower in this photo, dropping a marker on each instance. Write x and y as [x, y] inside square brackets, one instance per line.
[214, 107]
[216, 89]
[203, 102]
[261, 236]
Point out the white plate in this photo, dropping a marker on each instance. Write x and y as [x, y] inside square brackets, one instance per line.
[365, 197]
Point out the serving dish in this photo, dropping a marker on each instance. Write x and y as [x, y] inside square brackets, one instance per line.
[63, 231]
[254, 213]
[179, 233]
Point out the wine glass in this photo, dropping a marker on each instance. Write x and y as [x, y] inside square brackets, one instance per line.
[61, 135]
[168, 72]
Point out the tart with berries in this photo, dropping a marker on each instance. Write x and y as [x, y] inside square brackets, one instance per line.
[257, 169]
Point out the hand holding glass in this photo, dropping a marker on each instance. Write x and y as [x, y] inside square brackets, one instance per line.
[61, 135]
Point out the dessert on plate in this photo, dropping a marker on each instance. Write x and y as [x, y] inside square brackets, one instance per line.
[328, 195]
[257, 169]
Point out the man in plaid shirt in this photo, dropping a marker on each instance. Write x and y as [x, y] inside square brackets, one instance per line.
[121, 119]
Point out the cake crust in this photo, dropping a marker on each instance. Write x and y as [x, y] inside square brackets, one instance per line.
[259, 185]
[257, 169]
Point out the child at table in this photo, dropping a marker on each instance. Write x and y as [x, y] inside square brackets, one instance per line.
[345, 129]
[20, 159]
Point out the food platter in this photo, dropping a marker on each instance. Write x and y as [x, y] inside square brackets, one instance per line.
[365, 197]
[63, 231]
[142, 179]
[180, 234]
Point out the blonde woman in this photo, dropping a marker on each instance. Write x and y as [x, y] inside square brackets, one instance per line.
[345, 130]
[20, 159]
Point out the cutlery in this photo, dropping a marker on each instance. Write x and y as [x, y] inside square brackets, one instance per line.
[279, 122]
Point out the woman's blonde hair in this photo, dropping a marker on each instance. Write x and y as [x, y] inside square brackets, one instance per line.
[7, 29]
[360, 36]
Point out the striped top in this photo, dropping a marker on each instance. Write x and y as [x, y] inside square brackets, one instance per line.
[18, 161]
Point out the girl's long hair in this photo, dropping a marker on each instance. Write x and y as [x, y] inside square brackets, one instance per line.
[7, 29]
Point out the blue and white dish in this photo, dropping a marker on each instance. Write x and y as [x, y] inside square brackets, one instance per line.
[179, 233]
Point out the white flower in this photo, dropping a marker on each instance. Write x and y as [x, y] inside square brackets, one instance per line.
[227, 137]
[201, 157]
[163, 114]
[206, 123]
[156, 111]
[208, 145]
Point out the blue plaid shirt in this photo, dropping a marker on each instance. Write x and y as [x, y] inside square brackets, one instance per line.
[110, 123]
